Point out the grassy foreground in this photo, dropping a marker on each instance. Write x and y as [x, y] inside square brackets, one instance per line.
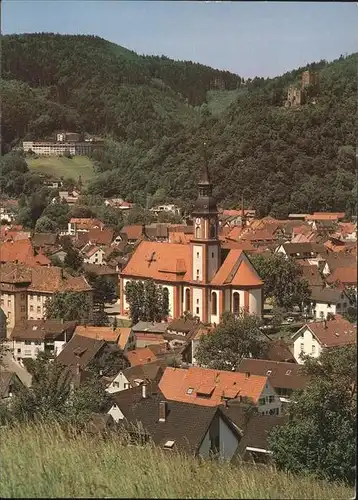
[39, 461]
[61, 166]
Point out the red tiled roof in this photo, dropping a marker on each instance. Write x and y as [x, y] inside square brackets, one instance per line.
[345, 275]
[17, 251]
[236, 270]
[160, 261]
[333, 333]
[140, 356]
[184, 385]
[101, 236]
[325, 216]
[133, 232]
[235, 232]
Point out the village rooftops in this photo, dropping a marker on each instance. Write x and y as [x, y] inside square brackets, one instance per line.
[334, 333]
[41, 279]
[281, 374]
[326, 295]
[79, 352]
[183, 426]
[208, 387]
[148, 327]
[42, 329]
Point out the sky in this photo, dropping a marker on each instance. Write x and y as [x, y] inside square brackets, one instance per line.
[249, 38]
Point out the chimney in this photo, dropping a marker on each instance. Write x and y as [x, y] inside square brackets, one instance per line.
[247, 374]
[144, 391]
[162, 411]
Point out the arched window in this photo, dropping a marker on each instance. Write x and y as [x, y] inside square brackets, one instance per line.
[214, 304]
[197, 232]
[187, 300]
[236, 303]
[212, 231]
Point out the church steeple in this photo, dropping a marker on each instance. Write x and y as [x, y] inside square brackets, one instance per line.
[205, 203]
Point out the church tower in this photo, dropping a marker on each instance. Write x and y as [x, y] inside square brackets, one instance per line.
[205, 244]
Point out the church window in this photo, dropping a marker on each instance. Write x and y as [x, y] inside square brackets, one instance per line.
[197, 232]
[187, 299]
[197, 254]
[212, 231]
[214, 303]
[236, 303]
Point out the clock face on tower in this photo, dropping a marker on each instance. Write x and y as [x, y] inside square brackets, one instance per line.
[197, 221]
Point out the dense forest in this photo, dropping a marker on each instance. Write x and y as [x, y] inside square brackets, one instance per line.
[154, 114]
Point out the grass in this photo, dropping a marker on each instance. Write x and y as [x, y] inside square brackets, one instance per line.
[40, 461]
[59, 166]
[219, 100]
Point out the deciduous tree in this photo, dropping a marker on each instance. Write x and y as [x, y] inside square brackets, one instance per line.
[233, 339]
[319, 437]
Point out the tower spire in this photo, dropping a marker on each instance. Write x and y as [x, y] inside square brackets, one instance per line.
[204, 174]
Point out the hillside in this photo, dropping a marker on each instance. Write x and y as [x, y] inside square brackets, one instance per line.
[156, 113]
[41, 462]
[63, 167]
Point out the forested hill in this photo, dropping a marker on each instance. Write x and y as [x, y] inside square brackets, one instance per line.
[154, 114]
[84, 82]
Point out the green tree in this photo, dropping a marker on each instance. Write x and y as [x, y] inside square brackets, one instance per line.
[52, 395]
[147, 301]
[73, 259]
[233, 339]
[110, 361]
[45, 225]
[283, 280]
[69, 306]
[319, 437]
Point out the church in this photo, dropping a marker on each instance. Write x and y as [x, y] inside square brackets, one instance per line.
[200, 277]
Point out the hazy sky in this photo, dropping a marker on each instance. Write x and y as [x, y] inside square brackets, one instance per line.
[251, 39]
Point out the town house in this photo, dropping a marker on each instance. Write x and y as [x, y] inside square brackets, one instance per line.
[24, 290]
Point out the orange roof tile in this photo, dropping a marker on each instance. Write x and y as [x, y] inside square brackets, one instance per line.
[236, 270]
[235, 232]
[17, 251]
[186, 386]
[325, 216]
[140, 356]
[333, 333]
[160, 261]
[133, 232]
[98, 332]
[345, 275]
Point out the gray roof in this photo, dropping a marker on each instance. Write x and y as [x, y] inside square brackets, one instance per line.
[80, 350]
[147, 326]
[257, 430]
[327, 295]
[186, 424]
[42, 329]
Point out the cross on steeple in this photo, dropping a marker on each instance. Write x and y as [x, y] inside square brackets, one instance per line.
[152, 259]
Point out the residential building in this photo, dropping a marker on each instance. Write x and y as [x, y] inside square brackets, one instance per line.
[134, 376]
[122, 336]
[78, 224]
[327, 301]
[93, 254]
[8, 210]
[48, 148]
[140, 356]
[147, 333]
[24, 290]
[175, 426]
[168, 208]
[312, 338]
[79, 352]
[284, 377]
[22, 251]
[207, 387]
[197, 277]
[33, 336]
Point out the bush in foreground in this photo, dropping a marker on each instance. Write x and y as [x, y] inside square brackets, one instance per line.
[41, 461]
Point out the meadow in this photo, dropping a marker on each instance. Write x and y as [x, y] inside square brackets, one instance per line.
[41, 461]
